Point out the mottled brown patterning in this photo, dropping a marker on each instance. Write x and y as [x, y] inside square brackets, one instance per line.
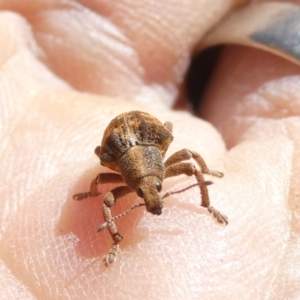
[134, 144]
[131, 129]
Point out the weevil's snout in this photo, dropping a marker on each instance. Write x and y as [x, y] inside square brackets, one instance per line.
[156, 210]
[149, 189]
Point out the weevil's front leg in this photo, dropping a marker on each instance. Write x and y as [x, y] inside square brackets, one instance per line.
[186, 154]
[110, 200]
[189, 170]
[101, 178]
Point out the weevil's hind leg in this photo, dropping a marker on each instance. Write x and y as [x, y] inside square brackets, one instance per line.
[101, 178]
[175, 167]
[110, 200]
[221, 218]
[186, 154]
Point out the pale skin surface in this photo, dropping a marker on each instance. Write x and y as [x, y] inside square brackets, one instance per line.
[49, 246]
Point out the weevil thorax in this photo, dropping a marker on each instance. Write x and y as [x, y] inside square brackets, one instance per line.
[135, 144]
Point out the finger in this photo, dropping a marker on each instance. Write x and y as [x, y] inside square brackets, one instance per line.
[268, 88]
[125, 49]
[56, 243]
[260, 102]
[65, 233]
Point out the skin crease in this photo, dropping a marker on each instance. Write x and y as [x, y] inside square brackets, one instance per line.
[51, 123]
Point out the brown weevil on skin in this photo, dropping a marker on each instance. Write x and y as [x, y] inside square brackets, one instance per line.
[134, 145]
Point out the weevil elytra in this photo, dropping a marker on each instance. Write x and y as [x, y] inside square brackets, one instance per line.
[134, 145]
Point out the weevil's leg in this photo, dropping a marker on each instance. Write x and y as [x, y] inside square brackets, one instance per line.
[186, 154]
[169, 126]
[189, 170]
[101, 178]
[110, 200]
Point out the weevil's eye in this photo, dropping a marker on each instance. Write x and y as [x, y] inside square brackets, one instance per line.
[158, 186]
[139, 192]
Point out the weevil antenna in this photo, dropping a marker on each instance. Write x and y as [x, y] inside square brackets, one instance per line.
[136, 205]
[168, 194]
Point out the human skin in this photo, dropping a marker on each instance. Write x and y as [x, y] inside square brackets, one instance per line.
[60, 87]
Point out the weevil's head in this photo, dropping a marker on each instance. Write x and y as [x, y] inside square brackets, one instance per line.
[149, 189]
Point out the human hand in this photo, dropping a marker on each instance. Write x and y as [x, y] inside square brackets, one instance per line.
[134, 57]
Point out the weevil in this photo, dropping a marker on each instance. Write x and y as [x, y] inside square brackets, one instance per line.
[134, 146]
